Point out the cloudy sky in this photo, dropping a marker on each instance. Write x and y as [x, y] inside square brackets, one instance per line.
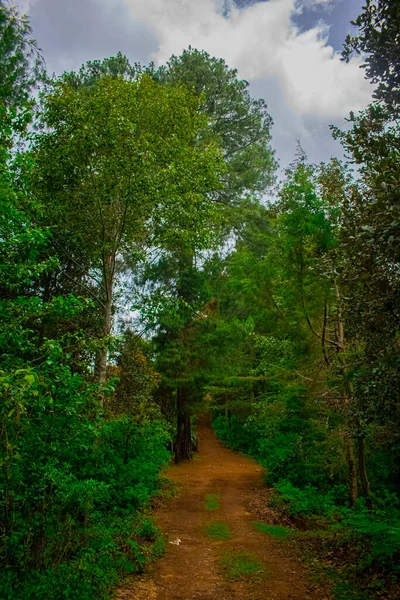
[287, 49]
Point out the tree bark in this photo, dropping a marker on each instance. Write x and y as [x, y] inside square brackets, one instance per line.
[183, 444]
[351, 463]
[108, 281]
[362, 469]
[106, 330]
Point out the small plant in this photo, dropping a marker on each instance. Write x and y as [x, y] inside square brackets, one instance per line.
[158, 547]
[147, 530]
[218, 531]
[240, 565]
[277, 531]
[212, 502]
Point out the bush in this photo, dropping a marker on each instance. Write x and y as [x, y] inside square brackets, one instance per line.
[309, 500]
[73, 482]
[379, 532]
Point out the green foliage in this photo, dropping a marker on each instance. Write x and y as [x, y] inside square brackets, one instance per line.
[283, 433]
[315, 402]
[283, 317]
[180, 301]
[231, 431]
[72, 483]
[116, 167]
[229, 107]
[91, 72]
[378, 39]
[135, 379]
[97, 137]
[73, 479]
[21, 62]
[309, 500]
[381, 531]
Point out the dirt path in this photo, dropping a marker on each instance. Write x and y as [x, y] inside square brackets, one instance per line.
[214, 489]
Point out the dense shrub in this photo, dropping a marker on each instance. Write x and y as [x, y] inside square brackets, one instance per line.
[72, 482]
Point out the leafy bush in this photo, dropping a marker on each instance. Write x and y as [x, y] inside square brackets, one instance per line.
[284, 435]
[379, 532]
[309, 500]
[73, 482]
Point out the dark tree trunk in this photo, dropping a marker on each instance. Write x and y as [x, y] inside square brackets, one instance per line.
[183, 444]
[351, 463]
[362, 469]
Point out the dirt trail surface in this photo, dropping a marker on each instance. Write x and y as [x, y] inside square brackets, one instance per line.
[193, 569]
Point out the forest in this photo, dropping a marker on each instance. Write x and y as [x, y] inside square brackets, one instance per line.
[154, 266]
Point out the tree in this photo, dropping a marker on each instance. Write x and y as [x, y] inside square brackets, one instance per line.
[21, 62]
[240, 125]
[70, 481]
[379, 40]
[370, 231]
[115, 165]
[115, 66]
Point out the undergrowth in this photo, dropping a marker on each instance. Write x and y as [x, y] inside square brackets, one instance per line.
[72, 524]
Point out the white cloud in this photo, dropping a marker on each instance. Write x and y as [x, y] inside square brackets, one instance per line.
[262, 42]
[318, 4]
[302, 79]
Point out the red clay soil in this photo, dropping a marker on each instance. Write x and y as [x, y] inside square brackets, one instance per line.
[192, 570]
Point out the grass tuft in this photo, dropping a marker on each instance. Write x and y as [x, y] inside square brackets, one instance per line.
[240, 565]
[277, 531]
[218, 531]
[212, 502]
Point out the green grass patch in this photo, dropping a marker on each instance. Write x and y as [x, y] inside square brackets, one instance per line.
[277, 531]
[218, 531]
[240, 565]
[212, 502]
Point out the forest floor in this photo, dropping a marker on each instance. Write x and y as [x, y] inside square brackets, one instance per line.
[215, 549]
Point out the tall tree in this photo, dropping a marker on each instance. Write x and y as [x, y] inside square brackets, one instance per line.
[21, 62]
[370, 232]
[378, 39]
[116, 164]
[240, 125]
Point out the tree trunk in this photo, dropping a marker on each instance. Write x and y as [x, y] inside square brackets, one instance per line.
[353, 488]
[362, 469]
[102, 362]
[183, 444]
[108, 281]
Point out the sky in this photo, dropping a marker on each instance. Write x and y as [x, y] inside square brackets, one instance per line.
[288, 51]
